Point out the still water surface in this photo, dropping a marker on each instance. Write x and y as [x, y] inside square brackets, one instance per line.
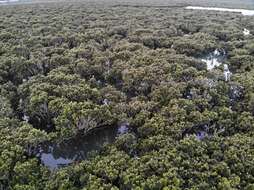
[8, 1]
[56, 155]
[244, 12]
[214, 59]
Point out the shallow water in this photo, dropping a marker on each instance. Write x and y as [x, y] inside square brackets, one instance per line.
[8, 1]
[244, 12]
[246, 32]
[236, 93]
[200, 135]
[214, 59]
[76, 149]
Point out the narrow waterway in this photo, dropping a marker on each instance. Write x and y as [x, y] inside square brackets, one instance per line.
[244, 12]
[8, 1]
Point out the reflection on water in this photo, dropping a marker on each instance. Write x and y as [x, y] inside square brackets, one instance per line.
[214, 59]
[201, 135]
[8, 1]
[201, 132]
[123, 128]
[50, 159]
[236, 93]
[243, 11]
[76, 149]
[246, 32]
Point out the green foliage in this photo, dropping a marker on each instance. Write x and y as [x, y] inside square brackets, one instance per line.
[69, 68]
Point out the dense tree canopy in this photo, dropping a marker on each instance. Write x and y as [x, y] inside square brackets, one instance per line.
[72, 68]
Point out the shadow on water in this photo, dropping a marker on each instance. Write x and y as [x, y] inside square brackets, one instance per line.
[56, 155]
[199, 131]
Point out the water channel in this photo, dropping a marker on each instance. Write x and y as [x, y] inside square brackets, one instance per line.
[8, 1]
[244, 12]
